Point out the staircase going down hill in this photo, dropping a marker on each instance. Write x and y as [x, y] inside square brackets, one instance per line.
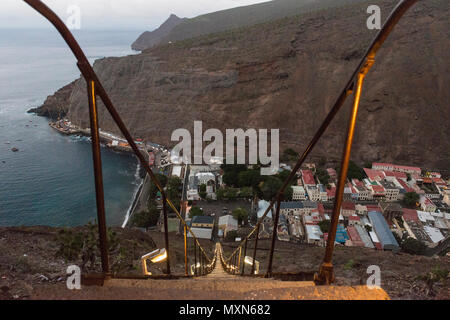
[218, 285]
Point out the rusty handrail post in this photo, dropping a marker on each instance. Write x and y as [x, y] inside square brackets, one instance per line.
[254, 250]
[166, 232]
[195, 258]
[245, 253]
[274, 235]
[99, 194]
[239, 260]
[326, 273]
[185, 252]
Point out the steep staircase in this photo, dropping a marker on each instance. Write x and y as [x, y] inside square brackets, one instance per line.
[218, 285]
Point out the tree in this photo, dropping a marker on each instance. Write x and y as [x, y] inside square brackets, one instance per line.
[288, 193]
[355, 171]
[410, 199]
[413, 246]
[173, 187]
[196, 211]
[270, 188]
[324, 225]
[240, 214]
[202, 191]
[323, 176]
[146, 218]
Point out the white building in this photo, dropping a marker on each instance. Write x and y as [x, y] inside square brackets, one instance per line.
[313, 234]
[227, 223]
[298, 193]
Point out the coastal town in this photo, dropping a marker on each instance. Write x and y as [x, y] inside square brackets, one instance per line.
[384, 205]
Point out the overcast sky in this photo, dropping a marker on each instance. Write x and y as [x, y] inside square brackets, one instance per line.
[113, 14]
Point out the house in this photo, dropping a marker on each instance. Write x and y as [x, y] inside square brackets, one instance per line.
[355, 239]
[313, 234]
[202, 227]
[361, 209]
[427, 205]
[354, 220]
[396, 168]
[341, 234]
[331, 193]
[413, 226]
[227, 223]
[332, 173]
[391, 191]
[291, 208]
[313, 193]
[383, 232]
[283, 229]
[298, 193]
[348, 209]
[363, 194]
[323, 196]
[364, 236]
[262, 207]
[434, 234]
[374, 175]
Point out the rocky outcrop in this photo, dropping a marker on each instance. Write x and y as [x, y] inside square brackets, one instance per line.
[55, 106]
[149, 39]
[286, 74]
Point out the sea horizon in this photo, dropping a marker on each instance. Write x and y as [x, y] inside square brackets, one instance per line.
[49, 181]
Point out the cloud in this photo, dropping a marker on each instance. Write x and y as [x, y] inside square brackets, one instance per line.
[114, 14]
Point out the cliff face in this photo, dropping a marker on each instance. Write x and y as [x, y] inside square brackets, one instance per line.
[286, 74]
[149, 39]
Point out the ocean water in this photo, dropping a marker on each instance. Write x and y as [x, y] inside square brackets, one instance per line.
[50, 180]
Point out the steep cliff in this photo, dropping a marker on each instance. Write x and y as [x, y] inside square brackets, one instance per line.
[286, 74]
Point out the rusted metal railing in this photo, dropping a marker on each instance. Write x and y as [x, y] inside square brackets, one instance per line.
[354, 85]
[94, 89]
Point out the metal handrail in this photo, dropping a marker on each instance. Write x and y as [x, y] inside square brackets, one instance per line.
[95, 88]
[326, 275]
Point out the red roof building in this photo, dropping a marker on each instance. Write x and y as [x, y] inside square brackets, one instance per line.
[308, 178]
[410, 215]
[371, 207]
[378, 190]
[398, 175]
[354, 237]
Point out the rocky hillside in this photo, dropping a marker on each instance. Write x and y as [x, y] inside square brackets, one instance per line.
[286, 74]
[31, 262]
[234, 18]
[150, 39]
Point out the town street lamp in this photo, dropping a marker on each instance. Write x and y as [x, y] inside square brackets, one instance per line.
[158, 255]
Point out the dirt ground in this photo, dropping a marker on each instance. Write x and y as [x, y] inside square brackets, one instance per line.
[28, 262]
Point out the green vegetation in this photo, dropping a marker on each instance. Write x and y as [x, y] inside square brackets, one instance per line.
[289, 155]
[413, 246]
[231, 235]
[436, 275]
[241, 215]
[355, 171]
[195, 211]
[410, 199]
[324, 226]
[146, 218]
[83, 245]
[270, 187]
[323, 176]
[202, 191]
